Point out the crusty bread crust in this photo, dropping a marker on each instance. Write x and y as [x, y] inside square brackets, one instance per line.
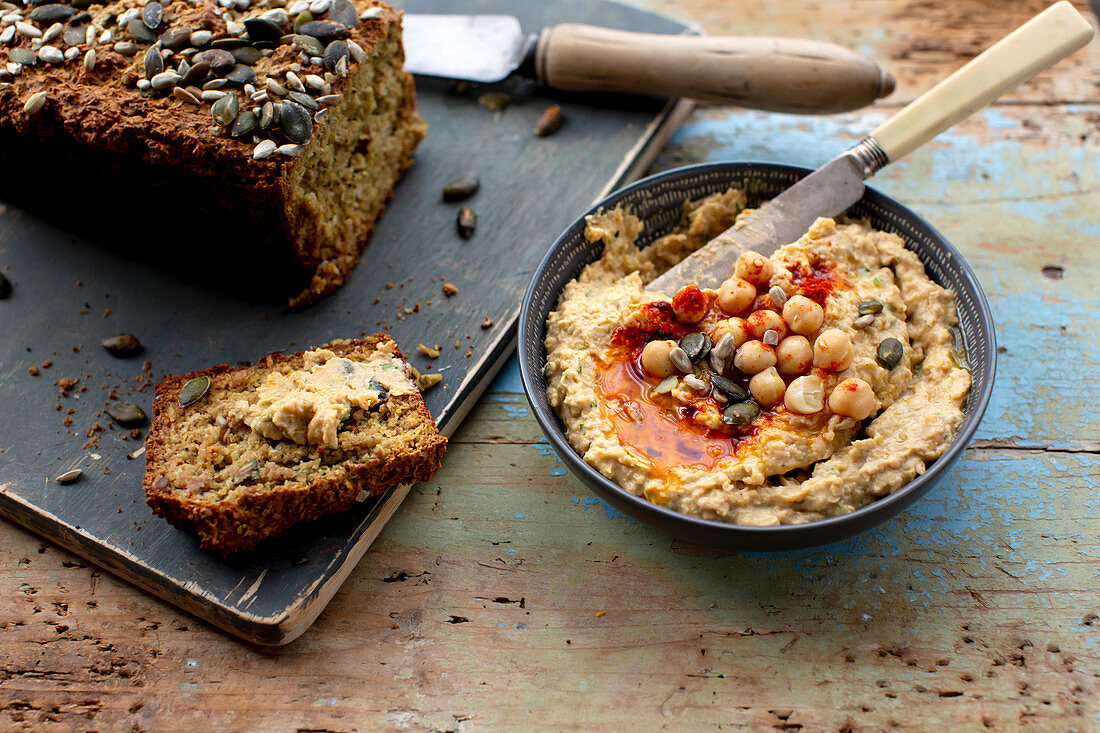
[241, 521]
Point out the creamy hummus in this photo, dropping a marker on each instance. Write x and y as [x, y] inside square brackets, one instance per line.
[753, 431]
[308, 405]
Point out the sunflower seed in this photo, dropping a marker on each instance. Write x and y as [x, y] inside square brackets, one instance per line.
[466, 222]
[7, 34]
[125, 48]
[152, 15]
[200, 38]
[52, 32]
[290, 151]
[90, 35]
[122, 345]
[329, 99]
[128, 15]
[214, 84]
[89, 61]
[143, 85]
[318, 7]
[296, 122]
[185, 96]
[342, 67]
[266, 114]
[126, 415]
[212, 95]
[724, 347]
[370, 13]
[320, 116]
[695, 383]
[259, 97]
[344, 13]
[14, 69]
[71, 53]
[314, 81]
[771, 337]
[264, 150]
[51, 54]
[193, 391]
[717, 363]
[680, 359]
[864, 321]
[463, 188]
[293, 82]
[278, 16]
[165, 80]
[34, 104]
[225, 110]
[778, 296]
[105, 37]
[234, 28]
[298, 6]
[153, 62]
[549, 122]
[69, 476]
[28, 30]
[52, 13]
[357, 52]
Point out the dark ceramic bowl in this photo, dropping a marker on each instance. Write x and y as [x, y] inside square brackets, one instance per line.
[657, 200]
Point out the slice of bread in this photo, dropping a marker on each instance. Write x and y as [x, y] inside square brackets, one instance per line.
[209, 471]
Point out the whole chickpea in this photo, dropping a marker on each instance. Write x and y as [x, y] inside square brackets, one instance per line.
[754, 267]
[804, 315]
[833, 350]
[690, 304]
[794, 355]
[759, 322]
[805, 395]
[735, 295]
[767, 387]
[852, 398]
[735, 327]
[655, 359]
[754, 357]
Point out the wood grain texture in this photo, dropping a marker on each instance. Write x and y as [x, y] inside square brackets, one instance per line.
[503, 595]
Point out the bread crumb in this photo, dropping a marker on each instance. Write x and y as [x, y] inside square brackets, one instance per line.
[428, 351]
[487, 323]
[33, 370]
[449, 289]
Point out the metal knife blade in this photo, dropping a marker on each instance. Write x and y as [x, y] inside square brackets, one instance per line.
[828, 191]
[481, 48]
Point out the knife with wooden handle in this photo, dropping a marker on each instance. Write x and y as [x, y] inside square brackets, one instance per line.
[775, 74]
[1043, 41]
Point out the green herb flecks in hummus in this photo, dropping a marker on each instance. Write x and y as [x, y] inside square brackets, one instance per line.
[783, 397]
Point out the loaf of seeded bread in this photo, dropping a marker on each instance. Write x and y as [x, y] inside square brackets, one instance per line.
[239, 455]
[253, 139]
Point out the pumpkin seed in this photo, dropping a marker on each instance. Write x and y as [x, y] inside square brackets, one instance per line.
[47, 15]
[81, 18]
[126, 415]
[140, 31]
[122, 345]
[244, 125]
[549, 122]
[5, 287]
[152, 15]
[228, 43]
[729, 388]
[219, 60]
[301, 19]
[309, 45]
[247, 55]
[333, 53]
[193, 391]
[23, 56]
[74, 36]
[344, 13]
[463, 188]
[324, 30]
[174, 38]
[741, 413]
[295, 121]
[889, 353]
[261, 29]
[305, 100]
[225, 110]
[195, 74]
[695, 345]
[241, 74]
[869, 307]
[69, 476]
[466, 222]
[426, 381]
[153, 62]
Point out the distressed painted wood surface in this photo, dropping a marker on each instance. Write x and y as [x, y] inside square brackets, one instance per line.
[504, 595]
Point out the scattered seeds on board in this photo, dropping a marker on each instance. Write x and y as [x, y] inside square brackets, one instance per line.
[193, 391]
[69, 476]
[5, 287]
[549, 122]
[428, 351]
[449, 289]
[463, 188]
[427, 381]
[122, 345]
[487, 323]
[126, 415]
[466, 222]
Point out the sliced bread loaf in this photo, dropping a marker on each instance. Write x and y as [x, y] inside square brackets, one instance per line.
[240, 455]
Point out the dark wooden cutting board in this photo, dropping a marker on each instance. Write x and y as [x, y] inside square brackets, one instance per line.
[72, 290]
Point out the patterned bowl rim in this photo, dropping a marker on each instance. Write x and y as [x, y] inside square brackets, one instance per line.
[532, 324]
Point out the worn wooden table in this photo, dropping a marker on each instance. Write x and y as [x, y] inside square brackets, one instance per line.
[504, 595]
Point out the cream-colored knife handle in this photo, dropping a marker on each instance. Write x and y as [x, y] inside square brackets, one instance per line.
[776, 74]
[1043, 41]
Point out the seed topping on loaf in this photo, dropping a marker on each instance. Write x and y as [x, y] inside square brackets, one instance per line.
[267, 71]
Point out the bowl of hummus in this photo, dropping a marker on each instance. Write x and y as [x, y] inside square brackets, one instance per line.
[815, 393]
